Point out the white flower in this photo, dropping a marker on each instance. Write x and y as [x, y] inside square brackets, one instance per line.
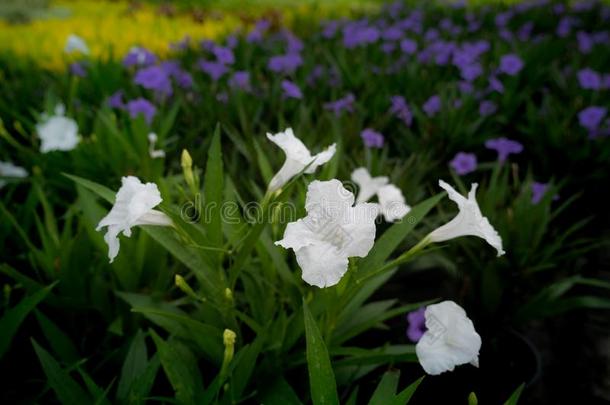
[468, 222]
[57, 132]
[133, 206]
[74, 43]
[392, 203]
[154, 154]
[450, 339]
[391, 200]
[332, 231]
[298, 158]
[367, 185]
[9, 170]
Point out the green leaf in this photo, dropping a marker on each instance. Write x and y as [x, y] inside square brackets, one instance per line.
[67, 390]
[514, 398]
[142, 385]
[279, 392]
[102, 191]
[405, 395]
[134, 365]
[213, 187]
[180, 366]
[391, 238]
[11, 320]
[321, 376]
[59, 341]
[386, 389]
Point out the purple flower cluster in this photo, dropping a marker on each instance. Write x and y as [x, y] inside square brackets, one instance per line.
[504, 147]
[343, 104]
[372, 139]
[401, 110]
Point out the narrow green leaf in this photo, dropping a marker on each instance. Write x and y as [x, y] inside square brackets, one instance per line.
[181, 369]
[213, 187]
[321, 376]
[102, 191]
[142, 385]
[134, 365]
[405, 395]
[11, 320]
[67, 390]
[279, 392]
[386, 389]
[59, 341]
[514, 398]
[391, 238]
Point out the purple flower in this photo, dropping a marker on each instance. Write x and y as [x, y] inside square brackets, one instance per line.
[141, 106]
[154, 78]
[504, 147]
[256, 35]
[285, 63]
[392, 33]
[371, 138]
[432, 106]
[401, 110]
[343, 104]
[330, 29]
[471, 72]
[388, 47]
[359, 33]
[465, 87]
[487, 108]
[214, 69]
[116, 100]
[223, 55]
[78, 69]
[585, 42]
[511, 64]
[293, 44]
[240, 80]
[408, 46]
[139, 56]
[538, 191]
[591, 117]
[417, 324]
[291, 90]
[495, 84]
[589, 79]
[502, 19]
[464, 163]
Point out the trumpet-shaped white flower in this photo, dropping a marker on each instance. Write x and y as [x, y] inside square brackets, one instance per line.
[298, 158]
[154, 153]
[450, 339]
[74, 43]
[468, 222]
[9, 170]
[392, 203]
[133, 206]
[333, 230]
[57, 132]
[368, 186]
[391, 200]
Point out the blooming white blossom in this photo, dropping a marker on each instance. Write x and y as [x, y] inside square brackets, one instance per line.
[152, 141]
[391, 200]
[298, 158]
[392, 203]
[333, 230]
[57, 132]
[74, 43]
[450, 339]
[468, 222]
[367, 185]
[9, 170]
[133, 206]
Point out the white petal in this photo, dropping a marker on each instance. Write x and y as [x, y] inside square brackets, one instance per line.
[450, 339]
[112, 240]
[367, 185]
[328, 197]
[360, 229]
[322, 264]
[292, 146]
[154, 217]
[58, 133]
[289, 169]
[299, 234]
[392, 203]
[321, 158]
[75, 43]
[468, 222]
